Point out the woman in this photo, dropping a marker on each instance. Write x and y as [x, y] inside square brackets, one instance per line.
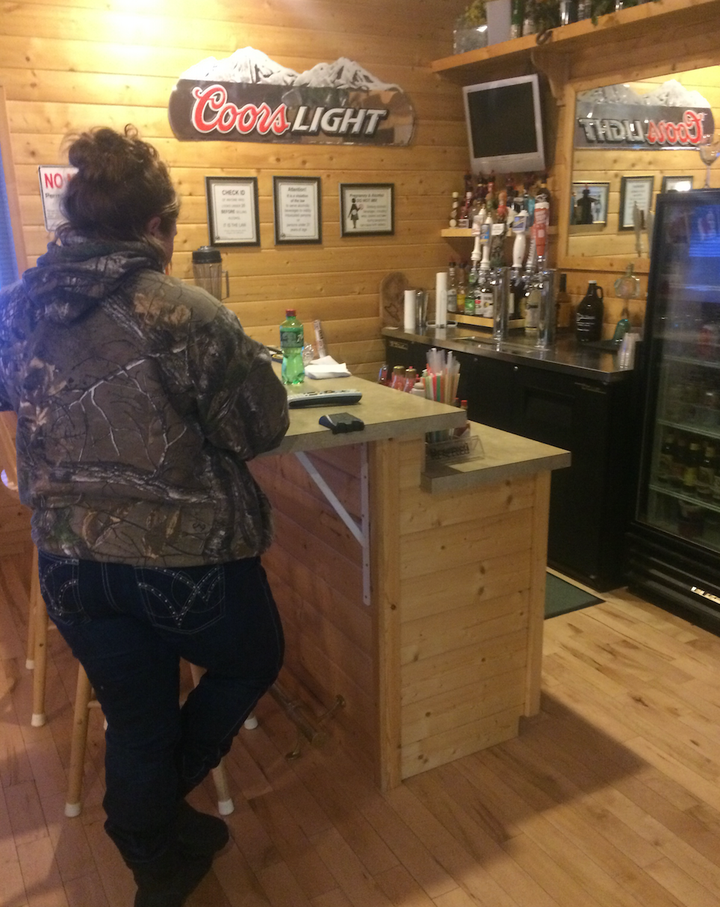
[139, 401]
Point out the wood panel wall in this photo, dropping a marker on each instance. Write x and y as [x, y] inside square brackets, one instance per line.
[69, 65]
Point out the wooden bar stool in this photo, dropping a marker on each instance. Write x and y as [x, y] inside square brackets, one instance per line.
[37, 622]
[84, 701]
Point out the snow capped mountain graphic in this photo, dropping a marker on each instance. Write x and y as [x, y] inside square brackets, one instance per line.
[669, 94]
[343, 73]
[253, 66]
[245, 65]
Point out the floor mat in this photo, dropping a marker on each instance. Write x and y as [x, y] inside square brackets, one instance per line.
[561, 597]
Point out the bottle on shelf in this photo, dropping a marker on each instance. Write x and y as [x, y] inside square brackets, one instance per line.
[292, 343]
[665, 459]
[452, 289]
[679, 458]
[568, 11]
[589, 315]
[706, 472]
[692, 462]
[454, 210]
[472, 281]
[461, 287]
[517, 14]
[484, 293]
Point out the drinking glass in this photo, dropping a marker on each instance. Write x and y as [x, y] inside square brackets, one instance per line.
[709, 149]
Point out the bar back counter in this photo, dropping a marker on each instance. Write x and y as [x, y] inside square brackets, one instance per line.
[412, 598]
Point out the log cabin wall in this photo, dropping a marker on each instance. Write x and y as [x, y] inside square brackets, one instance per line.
[69, 65]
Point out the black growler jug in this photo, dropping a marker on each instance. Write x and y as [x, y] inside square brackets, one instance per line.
[589, 315]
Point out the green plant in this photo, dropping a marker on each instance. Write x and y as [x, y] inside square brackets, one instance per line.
[474, 15]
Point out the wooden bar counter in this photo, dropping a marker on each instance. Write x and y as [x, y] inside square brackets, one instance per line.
[412, 599]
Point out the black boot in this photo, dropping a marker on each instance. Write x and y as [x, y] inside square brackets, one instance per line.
[200, 834]
[168, 880]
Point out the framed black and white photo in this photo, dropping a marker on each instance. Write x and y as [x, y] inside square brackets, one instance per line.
[296, 201]
[634, 190]
[676, 184]
[232, 204]
[589, 203]
[366, 209]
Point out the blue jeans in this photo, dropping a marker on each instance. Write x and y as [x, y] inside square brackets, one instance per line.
[129, 627]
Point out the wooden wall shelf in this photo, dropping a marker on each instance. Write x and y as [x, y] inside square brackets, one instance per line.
[644, 22]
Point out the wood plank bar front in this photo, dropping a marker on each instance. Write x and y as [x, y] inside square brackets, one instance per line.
[445, 659]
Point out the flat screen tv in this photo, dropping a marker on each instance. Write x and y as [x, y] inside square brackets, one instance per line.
[505, 127]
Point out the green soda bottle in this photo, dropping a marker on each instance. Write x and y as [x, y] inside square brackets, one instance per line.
[291, 344]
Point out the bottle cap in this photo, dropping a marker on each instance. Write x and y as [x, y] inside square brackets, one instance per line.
[289, 313]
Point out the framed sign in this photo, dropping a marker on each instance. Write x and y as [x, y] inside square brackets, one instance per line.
[53, 181]
[297, 209]
[366, 209]
[589, 203]
[232, 204]
[676, 184]
[634, 190]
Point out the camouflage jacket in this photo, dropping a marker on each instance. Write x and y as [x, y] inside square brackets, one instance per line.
[139, 401]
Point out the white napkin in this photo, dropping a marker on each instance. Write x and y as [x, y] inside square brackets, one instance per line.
[326, 367]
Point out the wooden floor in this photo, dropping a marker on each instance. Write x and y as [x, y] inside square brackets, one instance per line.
[610, 798]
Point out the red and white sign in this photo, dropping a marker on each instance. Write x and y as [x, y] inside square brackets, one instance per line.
[53, 181]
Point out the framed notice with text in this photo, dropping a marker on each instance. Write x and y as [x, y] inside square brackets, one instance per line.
[366, 209]
[232, 204]
[297, 209]
[634, 190]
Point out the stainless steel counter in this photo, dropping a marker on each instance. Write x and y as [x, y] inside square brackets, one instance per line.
[567, 355]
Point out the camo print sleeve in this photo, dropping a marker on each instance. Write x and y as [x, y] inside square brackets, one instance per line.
[242, 404]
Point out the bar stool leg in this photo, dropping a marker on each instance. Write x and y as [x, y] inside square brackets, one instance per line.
[225, 803]
[81, 716]
[40, 619]
[32, 604]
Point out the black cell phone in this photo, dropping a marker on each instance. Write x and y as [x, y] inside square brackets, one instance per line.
[339, 423]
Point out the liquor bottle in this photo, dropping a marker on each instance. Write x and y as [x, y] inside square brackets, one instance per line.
[706, 472]
[517, 14]
[484, 294]
[568, 11]
[291, 344]
[690, 472]
[563, 304]
[452, 289]
[454, 210]
[464, 220]
[473, 277]
[589, 315]
[461, 287]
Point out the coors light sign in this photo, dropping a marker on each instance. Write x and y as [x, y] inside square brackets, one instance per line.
[247, 97]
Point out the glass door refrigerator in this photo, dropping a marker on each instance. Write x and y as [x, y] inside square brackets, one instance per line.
[674, 539]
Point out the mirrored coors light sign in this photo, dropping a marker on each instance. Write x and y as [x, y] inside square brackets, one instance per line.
[248, 97]
[618, 117]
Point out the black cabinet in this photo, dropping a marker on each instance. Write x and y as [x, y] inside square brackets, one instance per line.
[596, 420]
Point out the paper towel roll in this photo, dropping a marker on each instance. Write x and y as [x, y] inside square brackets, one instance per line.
[409, 311]
[441, 299]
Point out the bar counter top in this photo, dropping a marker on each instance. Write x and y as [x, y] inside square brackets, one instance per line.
[596, 361]
[388, 413]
